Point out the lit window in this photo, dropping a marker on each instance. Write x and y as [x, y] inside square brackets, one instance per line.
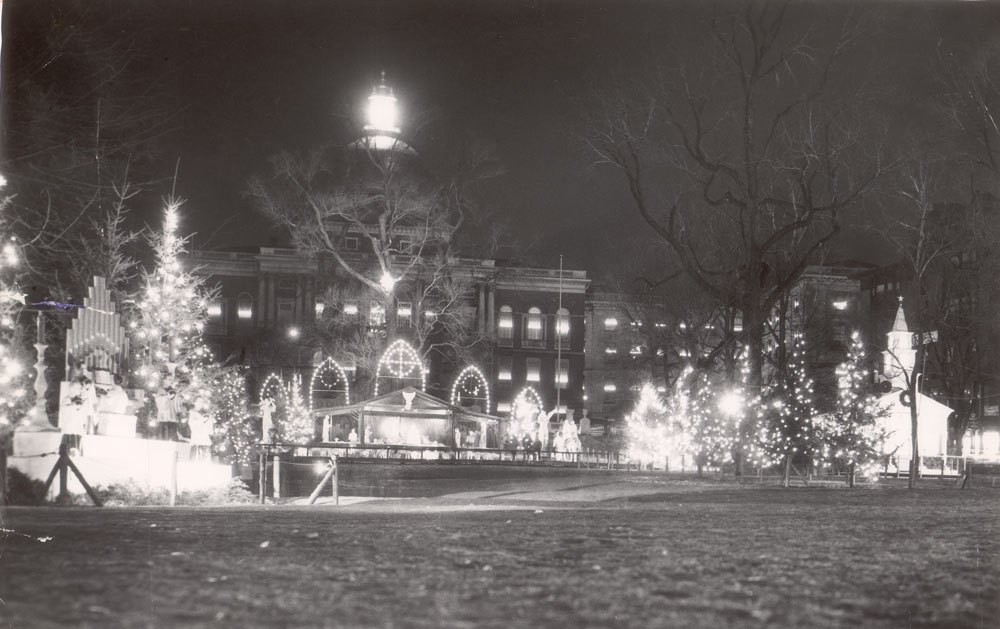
[320, 307]
[610, 323]
[244, 307]
[215, 309]
[534, 334]
[503, 407]
[840, 303]
[504, 368]
[404, 312]
[533, 370]
[562, 322]
[610, 349]
[661, 389]
[376, 314]
[505, 326]
[562, 373]
[610, 387]
[351, 309]
[429, 314]
[636, 351]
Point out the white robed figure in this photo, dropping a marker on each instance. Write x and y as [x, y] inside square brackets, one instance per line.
[200, 423]
[74, 418]
[568, 440]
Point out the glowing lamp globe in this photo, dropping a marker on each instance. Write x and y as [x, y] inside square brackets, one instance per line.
[382, 109]
[731, 403]
[387, 282]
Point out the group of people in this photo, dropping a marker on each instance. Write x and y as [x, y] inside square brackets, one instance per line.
[179, 421]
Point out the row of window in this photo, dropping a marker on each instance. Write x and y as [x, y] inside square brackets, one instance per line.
[533, 327]
[532, 371]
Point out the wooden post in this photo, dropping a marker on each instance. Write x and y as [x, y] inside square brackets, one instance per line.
[86, 487]
[788, 470]
[3, 476]
[262, 475]
[63, 474]
[319, 487]
[336, 482]
[173, 478]
[277, 474]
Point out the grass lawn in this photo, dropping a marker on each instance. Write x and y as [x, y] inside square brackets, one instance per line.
[576, 550]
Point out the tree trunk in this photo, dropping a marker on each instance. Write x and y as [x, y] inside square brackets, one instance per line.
[915, 449]
[850, 474]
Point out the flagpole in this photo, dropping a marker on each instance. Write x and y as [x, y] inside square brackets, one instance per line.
[559, 340]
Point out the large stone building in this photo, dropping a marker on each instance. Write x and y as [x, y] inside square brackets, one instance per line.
[525, 326]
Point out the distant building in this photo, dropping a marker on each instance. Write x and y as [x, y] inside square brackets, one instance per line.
[526, 339]
[625, 348]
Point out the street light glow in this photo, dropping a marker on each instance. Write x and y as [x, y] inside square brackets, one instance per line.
[387, 282]
[731, 403]
[293, 332]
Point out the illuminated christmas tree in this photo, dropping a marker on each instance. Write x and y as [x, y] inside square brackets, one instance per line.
[236, 430]
[852, 434]
[710, 422]
[171, 314]
[294, 422]
[648, 428]
[787, 429]
[13, 375]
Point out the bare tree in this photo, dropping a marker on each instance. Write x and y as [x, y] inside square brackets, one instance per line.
[745, 158]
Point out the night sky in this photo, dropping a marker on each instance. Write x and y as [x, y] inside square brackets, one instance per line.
[251, 77]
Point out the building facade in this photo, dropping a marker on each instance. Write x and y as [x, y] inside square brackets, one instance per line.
[523, 327]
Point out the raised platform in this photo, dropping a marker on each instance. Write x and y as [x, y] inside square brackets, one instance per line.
[105, 460]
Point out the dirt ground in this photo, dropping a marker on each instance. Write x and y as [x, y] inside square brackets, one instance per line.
[575, 549]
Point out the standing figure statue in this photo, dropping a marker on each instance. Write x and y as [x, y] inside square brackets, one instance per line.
[200, 423]
[267, 423]
[167, 415]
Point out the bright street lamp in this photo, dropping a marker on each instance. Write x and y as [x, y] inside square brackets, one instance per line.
[731, 403]
[387, 282]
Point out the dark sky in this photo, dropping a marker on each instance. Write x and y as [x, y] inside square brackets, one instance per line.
[251, 77]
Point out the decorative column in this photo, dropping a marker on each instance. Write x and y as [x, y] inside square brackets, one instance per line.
[482, 307]
[490, 308]
[37, 418]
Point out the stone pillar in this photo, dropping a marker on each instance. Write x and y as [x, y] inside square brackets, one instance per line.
[261, 300]
[490, 308]
[482, 307]
[272, 303]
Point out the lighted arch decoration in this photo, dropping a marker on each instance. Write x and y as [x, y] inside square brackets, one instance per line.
[330, 377]
[470, 384]
[400, 362]
[272, 388]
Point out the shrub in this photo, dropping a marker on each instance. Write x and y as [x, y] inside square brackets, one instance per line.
[236, 492]
[24, 490]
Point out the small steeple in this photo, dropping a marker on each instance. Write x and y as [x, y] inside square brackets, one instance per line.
[899, 358]
[899, 325]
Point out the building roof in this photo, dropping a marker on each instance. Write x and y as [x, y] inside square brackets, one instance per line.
[407, 401]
